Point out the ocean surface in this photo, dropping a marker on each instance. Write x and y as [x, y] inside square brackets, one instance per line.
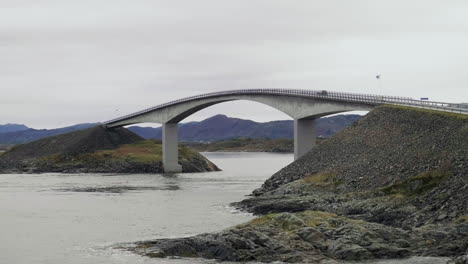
[82, 218]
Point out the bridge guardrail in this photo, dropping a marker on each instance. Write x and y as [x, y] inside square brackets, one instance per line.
[370, 99]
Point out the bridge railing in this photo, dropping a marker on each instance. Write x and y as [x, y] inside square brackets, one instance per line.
[368, 99]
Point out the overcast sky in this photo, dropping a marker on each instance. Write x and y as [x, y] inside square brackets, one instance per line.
[64, 62]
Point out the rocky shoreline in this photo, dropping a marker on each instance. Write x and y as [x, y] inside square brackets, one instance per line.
[310, 237]
[393, 185]
[324, 227]
[196, 163]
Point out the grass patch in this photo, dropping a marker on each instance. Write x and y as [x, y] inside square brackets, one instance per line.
[462, 219]
[187, 153]
[316, 218]
[145, 151]
[259, 221]
[419, 184]
[322, 179]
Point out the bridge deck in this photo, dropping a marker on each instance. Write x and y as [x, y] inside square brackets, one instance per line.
[369, 99]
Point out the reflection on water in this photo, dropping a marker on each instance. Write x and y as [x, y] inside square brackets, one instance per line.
[60, 218]
[120, 189]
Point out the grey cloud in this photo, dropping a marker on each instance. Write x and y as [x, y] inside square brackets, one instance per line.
[64, 62]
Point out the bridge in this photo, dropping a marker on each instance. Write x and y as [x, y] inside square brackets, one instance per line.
[304, 106]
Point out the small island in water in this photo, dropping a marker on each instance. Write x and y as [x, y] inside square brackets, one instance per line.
[98, 150]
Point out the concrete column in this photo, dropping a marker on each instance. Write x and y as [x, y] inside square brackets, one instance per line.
[170, 148]
[304, 136]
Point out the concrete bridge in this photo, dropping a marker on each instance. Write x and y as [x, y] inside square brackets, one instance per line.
[304, 106]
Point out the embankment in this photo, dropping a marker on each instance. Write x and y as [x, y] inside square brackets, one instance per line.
[418, 156]
[394, 184]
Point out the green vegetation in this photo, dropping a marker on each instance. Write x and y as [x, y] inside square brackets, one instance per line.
[142, 156]
[462, 219]
[429, 111]
[72, 144]
[316, 218]
[145, 151]
[419, 184]
[322, 179]
[262, 220]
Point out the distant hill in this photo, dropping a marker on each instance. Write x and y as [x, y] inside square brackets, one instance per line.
[29, 134]
[216, 128]
[73, 143]
[221, 127]
[12, 128]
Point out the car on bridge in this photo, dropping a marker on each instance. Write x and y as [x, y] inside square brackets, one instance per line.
[323, 92]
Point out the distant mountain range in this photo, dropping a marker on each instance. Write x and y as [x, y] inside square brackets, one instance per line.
[12, 128]
[24, 134]
[219, 127]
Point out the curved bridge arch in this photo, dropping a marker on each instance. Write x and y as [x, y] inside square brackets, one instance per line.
[298, 104]
[304, 106]
[296, 108]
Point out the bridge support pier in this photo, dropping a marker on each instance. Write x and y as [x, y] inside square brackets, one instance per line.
[304, 136]
[170, 149]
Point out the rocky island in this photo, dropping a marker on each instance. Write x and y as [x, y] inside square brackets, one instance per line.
[392, 185]
[97, 150]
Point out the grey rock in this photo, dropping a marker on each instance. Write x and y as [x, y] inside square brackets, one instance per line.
[348, 251]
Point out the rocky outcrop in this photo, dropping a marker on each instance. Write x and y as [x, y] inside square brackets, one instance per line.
[387, 145]
[460, 259]
[311, 237]
[418, 154]
[97, 150]
[394, 184]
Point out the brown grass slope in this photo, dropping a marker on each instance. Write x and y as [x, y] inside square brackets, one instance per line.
[73, 143]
